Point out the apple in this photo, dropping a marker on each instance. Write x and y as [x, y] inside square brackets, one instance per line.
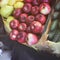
[45, 8]
[35, 10]
[13, 34]
[21, 37]
[19, 0]
[32, 39]
[0, 10]
[36, 27]
[42, 29]
[27, 7]
[23, 17]
[28, 1]
[6, 11]
[22, 27]
[41, 18]
[47, 1]
[7, 26]
[14, 23]
[9, 19]
[11, 2]
[35, 2]
[30, 19]
[28, 30]
[17, 12]
[3, 3]
[18, 4]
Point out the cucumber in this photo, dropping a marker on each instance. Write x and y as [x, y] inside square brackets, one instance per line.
[59, 39]
[51, 35]
[54, 25]
[55, 15]
[59, 25]
[57, 7]
[56, 36]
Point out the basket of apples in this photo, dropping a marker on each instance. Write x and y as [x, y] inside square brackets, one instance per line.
[26, 20]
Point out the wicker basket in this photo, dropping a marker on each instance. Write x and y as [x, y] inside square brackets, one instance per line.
[44, 43]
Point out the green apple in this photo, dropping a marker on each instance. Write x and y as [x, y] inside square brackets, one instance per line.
[7, 27]
[6, 11]
[18, 4]
[9, 19]
[7, 24]
[3, 3]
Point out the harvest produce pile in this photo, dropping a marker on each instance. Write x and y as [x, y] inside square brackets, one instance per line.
[54, 33]
[24, 20]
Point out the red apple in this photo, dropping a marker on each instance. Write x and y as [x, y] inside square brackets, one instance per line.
[14, 24]
[28, 30]
[35, 2]
[32, 39]
[13, 34]
[45, 1]
[21, 37]
[17, 12]
[28, 1]
[27, 8]
[45, 8]
[36, 27]
[30, 19]
[35, 10]
[22, 27]
[23, 17]
[42, 29]
[41, 18]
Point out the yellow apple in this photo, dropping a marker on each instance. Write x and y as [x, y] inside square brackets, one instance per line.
[19, 0]
[3, 3]
[11, 2]
[18, 4]
[9, 19]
